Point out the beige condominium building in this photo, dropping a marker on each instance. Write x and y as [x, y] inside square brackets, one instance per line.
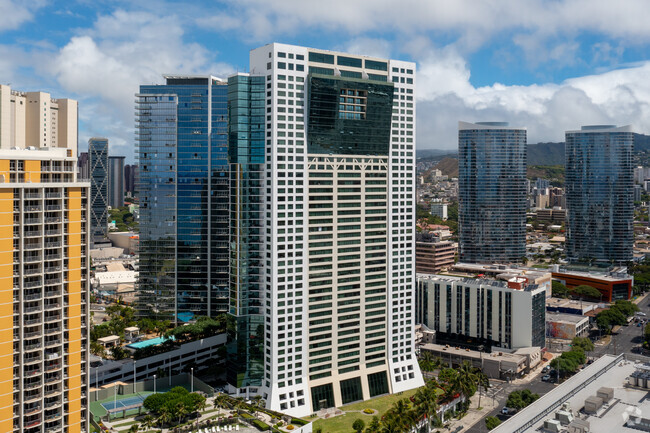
[43, 267]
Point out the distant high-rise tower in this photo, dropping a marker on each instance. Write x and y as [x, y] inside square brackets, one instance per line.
[44, 263]
[83, 166]
[115, 181]
[599, 194]
[98, 157]
[130, 173]
[335, 273]
[183, 188]
[492, 192]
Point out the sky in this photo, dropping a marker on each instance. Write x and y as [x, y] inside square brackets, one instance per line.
[547, 65]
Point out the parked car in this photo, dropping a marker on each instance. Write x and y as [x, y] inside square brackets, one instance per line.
[508, 411]
[640, 313]
[546, 377]
[546, 369]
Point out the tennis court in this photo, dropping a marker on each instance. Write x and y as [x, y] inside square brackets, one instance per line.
[124, 403]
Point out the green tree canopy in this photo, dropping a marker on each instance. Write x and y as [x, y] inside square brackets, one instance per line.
[584, 291]
[492, 422]
[583, 343]
[559, 290]
[521, 398]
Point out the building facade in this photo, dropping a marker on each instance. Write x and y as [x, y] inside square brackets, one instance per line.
[98, 158]
[183, 190]
[480, 312]
[83, 166]
[439, 209]
[433, 255]
[491, 192]
[44, 232]
[338, 220]
[130, 173]
[115, 181]
[36, 120]
[599, 194]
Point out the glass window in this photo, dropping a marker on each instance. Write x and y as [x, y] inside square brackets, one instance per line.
[321, 58]
[348, 61]
[378, 66]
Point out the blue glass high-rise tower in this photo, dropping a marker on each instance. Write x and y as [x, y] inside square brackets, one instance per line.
[491, 192]
[599, 194]
[183, 190]
[246, 99]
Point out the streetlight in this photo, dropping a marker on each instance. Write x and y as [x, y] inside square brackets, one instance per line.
[192, 370]
[154, 383]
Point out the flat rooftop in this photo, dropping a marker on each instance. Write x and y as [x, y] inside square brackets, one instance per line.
[605, 276]
[570, 303]
[473, 354]
[567, 318]
[607, 371]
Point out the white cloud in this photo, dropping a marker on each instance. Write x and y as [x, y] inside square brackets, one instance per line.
[15, 13]
[105, 66]
[445, 96]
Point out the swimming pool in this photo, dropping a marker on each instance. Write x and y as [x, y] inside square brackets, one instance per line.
[147, 343]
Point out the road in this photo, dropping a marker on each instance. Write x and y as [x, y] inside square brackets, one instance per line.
[500, 390]
[624, 340]
[626, 337]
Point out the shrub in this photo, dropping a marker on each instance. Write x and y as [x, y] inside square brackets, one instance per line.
[368, 411]
[358, 425]
[298, 421]
[290, 427]
[491, 422]
[262, 426]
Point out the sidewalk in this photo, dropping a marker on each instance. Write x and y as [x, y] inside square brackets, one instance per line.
[488, 404]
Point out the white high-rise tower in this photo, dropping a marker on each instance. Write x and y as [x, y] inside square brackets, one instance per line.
[339, 197]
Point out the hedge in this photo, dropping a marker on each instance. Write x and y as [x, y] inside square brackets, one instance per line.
[262, 426]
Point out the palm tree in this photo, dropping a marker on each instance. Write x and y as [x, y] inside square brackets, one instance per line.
[374, 426]
[465, 381]
[403, 414]
[148, 422]
[426, 361]
[181, 411]
[164, 416]
[482, 381]
[426, 404]
[220, 402]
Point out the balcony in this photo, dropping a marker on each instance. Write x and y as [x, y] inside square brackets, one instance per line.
[31, 410]
[33, 385]
[31, 271]
[53, 366]
[32, 334]
[32, 208]
[54, 378]
[30, 284]
[32, 359]
[31, 347]
[32, 233]
[32, 397]
[32, 221]
[52, 244]
[32, 296]
[52, 318]
[32, 309]
[54, 342]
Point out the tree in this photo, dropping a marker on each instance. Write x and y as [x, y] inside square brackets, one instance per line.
[373, 427]
[118, 353]
[466, 380]
[520, 399]
[583, 291]
[482, 381]
[358, 425]
[627, 308]
[583, 343]
[148, 422]
[559, 290]
[426, 403]
[427, 361]
[607, 319]
[492, 422]
[180, 411]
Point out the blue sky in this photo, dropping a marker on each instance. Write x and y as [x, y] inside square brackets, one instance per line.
[547, 65]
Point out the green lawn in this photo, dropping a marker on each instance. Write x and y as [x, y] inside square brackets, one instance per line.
[343, 423]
